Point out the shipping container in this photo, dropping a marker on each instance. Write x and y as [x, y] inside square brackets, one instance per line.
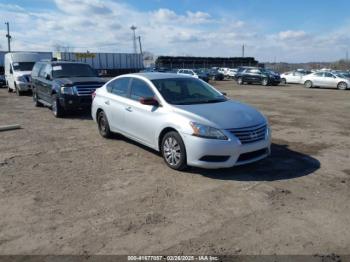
[107, 63]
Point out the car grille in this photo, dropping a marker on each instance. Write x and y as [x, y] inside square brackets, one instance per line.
[250, 134]
[86, 90]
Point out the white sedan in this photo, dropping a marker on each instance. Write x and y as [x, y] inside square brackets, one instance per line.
[326, 79]
[293, 77]
[187, 120]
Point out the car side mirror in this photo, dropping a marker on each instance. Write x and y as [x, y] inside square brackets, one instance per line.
[48, 77]
[149, 101]
[224, 93]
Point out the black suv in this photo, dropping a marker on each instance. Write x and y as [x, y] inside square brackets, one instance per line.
[64, 86]
[257, 76]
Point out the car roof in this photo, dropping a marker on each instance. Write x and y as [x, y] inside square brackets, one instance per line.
[158, 75]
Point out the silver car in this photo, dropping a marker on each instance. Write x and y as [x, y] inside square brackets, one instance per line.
[326, 79]
[187, 120]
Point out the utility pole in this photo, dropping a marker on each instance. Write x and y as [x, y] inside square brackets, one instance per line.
[243, 50]
[133, 28]
[140, 45]
[8, 36]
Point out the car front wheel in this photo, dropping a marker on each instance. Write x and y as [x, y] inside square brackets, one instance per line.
[174, 151]
[283, 81]
[35, 99]
[57, 109]
[308, 84]
[265, 82]
[342, 86]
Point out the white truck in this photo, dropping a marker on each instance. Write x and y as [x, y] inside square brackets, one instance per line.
[18, 67]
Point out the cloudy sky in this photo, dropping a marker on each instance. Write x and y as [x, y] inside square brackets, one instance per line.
[272, 30]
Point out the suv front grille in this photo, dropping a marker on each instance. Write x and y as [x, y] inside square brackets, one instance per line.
[86, 90]
[250, 134]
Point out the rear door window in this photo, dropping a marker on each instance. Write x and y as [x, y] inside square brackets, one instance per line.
[119, 86]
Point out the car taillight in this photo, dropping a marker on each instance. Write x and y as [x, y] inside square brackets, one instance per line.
[93, 95]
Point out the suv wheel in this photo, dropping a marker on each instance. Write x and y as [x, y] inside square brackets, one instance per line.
[342, 86]
[283, 81]
[35, 99]
[174, 151]
[240, 81]
[308, 84]
[103, 125]
[264, 81]
[56, 107]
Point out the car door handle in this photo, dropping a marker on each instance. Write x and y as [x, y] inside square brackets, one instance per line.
[107, 102]
[129, 109]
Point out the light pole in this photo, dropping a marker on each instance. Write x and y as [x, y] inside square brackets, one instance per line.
[133, 28]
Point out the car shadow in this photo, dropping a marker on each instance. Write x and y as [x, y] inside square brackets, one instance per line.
[79, 114]
[282, 164]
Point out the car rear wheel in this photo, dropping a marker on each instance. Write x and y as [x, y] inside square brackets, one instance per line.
[283, 81]
[264, 81]
[308, 84]
[240, 80]
[342, 86]
[57, 109]
[103, 125]
[174, 151]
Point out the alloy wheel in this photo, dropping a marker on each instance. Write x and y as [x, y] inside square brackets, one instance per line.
[172, 151]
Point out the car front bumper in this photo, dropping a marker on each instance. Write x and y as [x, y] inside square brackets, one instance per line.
[23, 86]
[73, 102]
[230, 152]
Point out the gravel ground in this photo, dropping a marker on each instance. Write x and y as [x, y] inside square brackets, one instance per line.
[66, 190]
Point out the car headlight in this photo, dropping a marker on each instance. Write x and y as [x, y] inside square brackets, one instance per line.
[21, 78]
[67, 90]
[207, 131]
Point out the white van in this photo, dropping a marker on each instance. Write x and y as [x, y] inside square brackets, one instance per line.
[18, 67]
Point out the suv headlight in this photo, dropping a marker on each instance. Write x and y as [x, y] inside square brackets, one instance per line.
[207, 131]
[67, 90]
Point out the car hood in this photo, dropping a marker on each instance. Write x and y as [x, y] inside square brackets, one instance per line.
[81, 80]
[224, 115]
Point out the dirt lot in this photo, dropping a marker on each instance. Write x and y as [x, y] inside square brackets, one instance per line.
[66, 190]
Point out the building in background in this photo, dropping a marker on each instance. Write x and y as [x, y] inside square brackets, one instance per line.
[174, 62]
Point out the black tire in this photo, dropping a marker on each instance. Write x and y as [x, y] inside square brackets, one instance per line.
[35, 99]
[342, 86]
[174, 153]
[9, 89]
[283, 81]
[265, 82]
[240, 81]
[57, 109]
[103, 125]
[308, 84]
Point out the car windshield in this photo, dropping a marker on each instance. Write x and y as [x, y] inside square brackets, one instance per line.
[72, 70]
[23, 66]
[187, 91]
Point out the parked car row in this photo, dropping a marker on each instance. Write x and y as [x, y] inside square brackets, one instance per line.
[321, 78]
[192, 123]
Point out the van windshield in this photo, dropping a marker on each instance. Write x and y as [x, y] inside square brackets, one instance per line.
[23, 66]
[72, 70]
